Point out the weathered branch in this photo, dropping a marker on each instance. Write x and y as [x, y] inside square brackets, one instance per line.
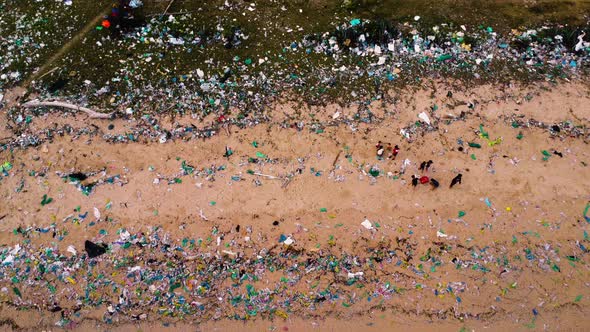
[267, 176]
[91, 113]
[169, 4]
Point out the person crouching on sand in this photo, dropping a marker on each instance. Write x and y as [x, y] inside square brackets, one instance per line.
[380, 149]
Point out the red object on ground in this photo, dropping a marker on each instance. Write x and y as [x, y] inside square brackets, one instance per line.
[106, 24]
[424, 180]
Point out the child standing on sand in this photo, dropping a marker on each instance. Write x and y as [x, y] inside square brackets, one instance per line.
[394, 152]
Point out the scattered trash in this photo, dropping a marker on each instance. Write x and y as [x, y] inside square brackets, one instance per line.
[130, 273]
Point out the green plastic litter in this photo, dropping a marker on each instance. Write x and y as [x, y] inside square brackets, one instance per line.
[46, 200]
[374, 172]
[260, 155]
[187, 168]
[7, 166]
[444, 57]
[323, 210]
[519, 136]
[212, 203]
[483, 132]
[174, 286]
[474, 145]
[461, 214]
[546, 153]
[473, 156]
[578, 298]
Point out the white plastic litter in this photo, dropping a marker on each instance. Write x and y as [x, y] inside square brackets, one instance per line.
[367, 224]
[424, 117]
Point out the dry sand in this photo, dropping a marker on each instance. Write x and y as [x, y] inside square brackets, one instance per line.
[536, 211]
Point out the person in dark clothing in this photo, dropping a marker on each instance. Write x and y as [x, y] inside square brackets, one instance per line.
[228, 152]
[422, 166]
[456, 179]
[434, 183]
[428, 164]
[414, 180]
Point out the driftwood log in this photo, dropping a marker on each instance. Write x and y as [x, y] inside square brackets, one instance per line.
[91, 113]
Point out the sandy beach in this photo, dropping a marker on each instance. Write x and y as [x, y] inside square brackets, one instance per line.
[275, 232]
[333, 165]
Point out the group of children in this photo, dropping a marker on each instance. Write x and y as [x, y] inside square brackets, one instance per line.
[425, 166]
[392, 153]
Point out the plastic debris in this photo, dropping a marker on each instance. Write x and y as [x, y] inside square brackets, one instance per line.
[94, 250]
[367, 224]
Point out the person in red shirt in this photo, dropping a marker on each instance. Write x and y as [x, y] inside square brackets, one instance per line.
[394, 152]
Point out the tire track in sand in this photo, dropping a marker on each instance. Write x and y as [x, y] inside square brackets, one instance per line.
[43, 70]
